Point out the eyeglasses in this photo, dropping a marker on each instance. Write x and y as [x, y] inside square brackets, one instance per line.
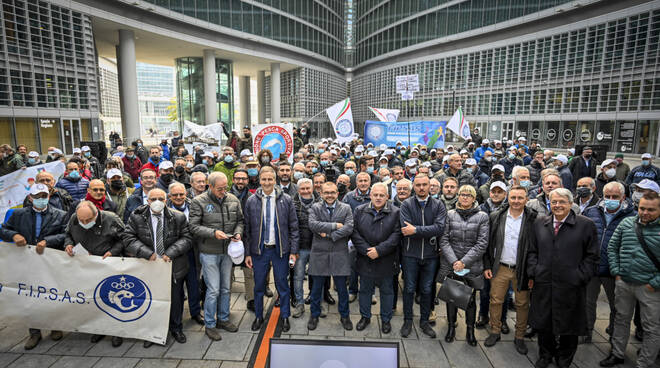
[465, 195]
[97, 189]
[178, 195]
[329, 193]
[561, 203]
[157, 199]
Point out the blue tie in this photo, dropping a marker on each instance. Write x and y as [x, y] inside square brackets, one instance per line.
[331, 210]
[38, 224]
[268, 219]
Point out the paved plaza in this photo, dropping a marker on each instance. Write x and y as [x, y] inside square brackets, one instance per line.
[235, 349]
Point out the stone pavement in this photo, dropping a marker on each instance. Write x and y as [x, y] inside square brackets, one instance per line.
[235, 349]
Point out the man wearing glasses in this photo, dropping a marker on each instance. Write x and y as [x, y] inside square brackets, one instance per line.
[141, 194]
[215, 218]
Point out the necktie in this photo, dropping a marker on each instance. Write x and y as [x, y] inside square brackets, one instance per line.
[38, 224]
[160, 249]
[268, 219]
[422, 204]
[331, 210]
[557, 225]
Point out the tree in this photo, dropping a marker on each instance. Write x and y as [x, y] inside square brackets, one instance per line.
[173, 110]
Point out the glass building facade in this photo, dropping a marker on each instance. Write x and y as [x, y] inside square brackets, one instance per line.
[156, 92]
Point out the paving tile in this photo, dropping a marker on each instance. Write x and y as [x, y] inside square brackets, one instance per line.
[75, 362]
[299, 325]
[228, 364]
[425, 353]
[11, 336]
[505, 355]
[199, 364]
[33, 361]
[114, 362]
[155, 351]
[45, 344]
[7, 358]
[459, 353]
[329, 326]
[158, 363]
[73, 344]
[195, 347]
[104, 348]
[372, 331]
[233, 346]
[588, 356]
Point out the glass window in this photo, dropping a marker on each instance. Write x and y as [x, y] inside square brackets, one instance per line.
[49, 131]
[5, 132]
[26, 133]
[648, 136]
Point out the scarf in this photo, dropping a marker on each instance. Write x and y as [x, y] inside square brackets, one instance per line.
[97, 203]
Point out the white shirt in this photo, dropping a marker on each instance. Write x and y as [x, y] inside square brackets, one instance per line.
[264, 201]
[154, 225]
[511, 235]
[145, 196]
[584, 205]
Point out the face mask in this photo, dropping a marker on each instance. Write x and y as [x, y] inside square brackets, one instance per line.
[489, 158]
[74, 174]
[637, 196]
[116, 184]
[157, 206]
[357, 156]
[612, 204]
[370, 169]
[88, 225]
[130, 155]
[412, 171]
[587, 156]
[32, 161]
[298, 175]
[469, 170]
[511, 156]
[253, 172]
[350, 172]
[583, 192]
[189, 165]
[646, 162]
[155, 158]
[610, 173]
[320, 150]
[383, 166]
[229, 159]
[525, 183]
[87, 154]
[205, 162]
[435, 195]
[314, 170]
[139, 144]
[324, 163]
[385, 178]
[423, 153]
[265, 159]
[179, 170]
[341, 187]
[167, 177]
[40, 203]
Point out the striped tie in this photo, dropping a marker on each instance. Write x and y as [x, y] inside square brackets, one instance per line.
[160, 249]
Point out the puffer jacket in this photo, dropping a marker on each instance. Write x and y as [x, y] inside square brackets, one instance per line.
[382, 231]
[285, 222]
[640, 173]
[77, 188]
[23, 222]
[626, 256]
[302, 211]
[465, 239]
[429, 223]
[104, 236]
[138, 237]
[534, 169]
[59, 198]
[597, 215]
[463, 177]
[208, 214]
[354, 199]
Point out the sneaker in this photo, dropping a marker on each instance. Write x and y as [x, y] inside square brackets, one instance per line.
[33, 341]
[492, 339]
[227, 326]
[406, 328]
[352, 298]
[213, 333]
[299, 310]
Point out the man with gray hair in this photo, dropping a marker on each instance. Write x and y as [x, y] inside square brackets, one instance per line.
[559, 283]
[215, 219]
[550, 181]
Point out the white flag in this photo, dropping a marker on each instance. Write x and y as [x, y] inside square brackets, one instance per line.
[459, 125]
[341, 119]
[389, 115]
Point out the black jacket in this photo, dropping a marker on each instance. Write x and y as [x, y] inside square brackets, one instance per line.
[23, 221]
[59, 199]
[429, 223]
[302, 210]
[138, 237]
[104, 236]
[580, 170]
[242, 195]
[381, 230]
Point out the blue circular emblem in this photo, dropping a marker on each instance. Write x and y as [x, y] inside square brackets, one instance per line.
[466, 130]
[391, 117]
[374, 132]
[344, 128]
[275, 143]
[123, 297]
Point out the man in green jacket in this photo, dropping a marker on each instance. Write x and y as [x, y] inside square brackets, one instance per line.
[637, 279]
[228, 165]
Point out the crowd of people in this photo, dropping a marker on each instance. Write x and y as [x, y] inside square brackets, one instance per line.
[516, 227]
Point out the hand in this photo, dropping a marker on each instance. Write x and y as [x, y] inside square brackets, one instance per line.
[372, 253]
[19, 240]
[618, 278]
[323, 235]
[220, 235]
[153, 256]
[236, 237]
[294, 258]
[409, 229]
[248, 261]
[649, 288]
[41, 246]
[339, 225]
[166, 258]
[69, 250]
[458, 266]
[530, 284]
[108, 254]
[488, 274]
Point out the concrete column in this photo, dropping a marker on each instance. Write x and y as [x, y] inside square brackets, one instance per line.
[244, 108]
[275, 93]
[261, 97]
[128, 102]
[210, 88]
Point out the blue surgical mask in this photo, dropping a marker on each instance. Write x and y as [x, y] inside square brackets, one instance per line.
[646, 162]
[511, 156]
[324, 163]
[358, 155]
[462, 272]
[87, 154]
[205, 162]
[253, 172]
[469, 170]
[74, 174]
[612, 204]
[298, 175]
[525, 183]
[385, 178]
[229, 159]
[320, 150]
[370, 169]
[88, 225]
[314, 170]
[40, 203]
[350, 172]
[383, 166]
[32, 161]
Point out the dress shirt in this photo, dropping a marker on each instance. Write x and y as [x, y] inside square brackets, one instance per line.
[511, 236]
[264, 201]
[154, 226]
[583, 206]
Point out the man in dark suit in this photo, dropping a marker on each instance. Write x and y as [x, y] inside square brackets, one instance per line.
[584, 165]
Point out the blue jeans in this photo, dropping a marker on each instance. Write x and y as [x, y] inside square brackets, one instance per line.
[260, 266]
[192, 285]
[299, 275]
[412, 269]
[353, 282]
[367, 286]
[216, 269]
[317, 292]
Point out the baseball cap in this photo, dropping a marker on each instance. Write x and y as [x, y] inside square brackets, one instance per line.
[571, 151]
[562, 158]
[389, 151]
[85, 149]
[382, 147]
[618, 155]
[647, 184]
[165, 165]
[245, 152]
[606, 162]
[647, 155]
[470, 162]
[498, 167]
[512, 148]
[117, 172]
[38, 188]
[373, 154]
[383, 158]
[58, 151]
[411, 162]
[450, 146]
[498, 184]
[77, 150]
[359, 149]
[463, 151]
[522, 139]
[236, 251]
[486, 141]
[33, 154]
[206, 154]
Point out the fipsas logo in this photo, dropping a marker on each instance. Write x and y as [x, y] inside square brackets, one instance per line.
[123, 297]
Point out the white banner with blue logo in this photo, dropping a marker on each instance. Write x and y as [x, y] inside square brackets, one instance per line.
[126, 297]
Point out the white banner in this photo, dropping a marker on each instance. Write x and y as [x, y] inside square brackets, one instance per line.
[15, 187]
[341, 119]
[459, 125]
[389, 115]
[209, 137]
[126, 297]
[277, 138]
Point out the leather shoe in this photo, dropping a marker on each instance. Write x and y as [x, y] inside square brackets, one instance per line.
[96, 338]
[362, 323]
[386, 328]
[492, 339]
[33, 341]
[346, 323]
[312, 323]
[505, 328]
[179, 337]
[286, 326]
[482, 321]
[428, 330]
[199, 319]
[611, 361]
[256, 325]
[329, 299]
[147, 344]
[520, 345]
[250, 305]
[56, 335]
[308, 300]
[406, 328]
[117, 341]
[268, 293]
[542, 362]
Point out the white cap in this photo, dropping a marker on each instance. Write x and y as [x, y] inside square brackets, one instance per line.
[485, 141]
[463, 151]
[498, 167]
[370, 144]
[115, 172]
[471, 144]
[38, 188]
[411, 162]
[383, 158]
[497, 141]
[399, 142]
[77, 150]
[382, 147]
[450, 146]
[85, 149]
[606, 162]
[522, 139]
[389, 151]
[333, 152]
[206, 154]
[373, 154]
[433, 150]
[236, 251]
[33, 154]
[359, 149]
[571, 151]
[470, 162]
[165, 165]
[498, 184]
[562, 158]
[245, 152]
[509, 142]
[426, 164]
[58, 151]
[647, 184]
[646, 155]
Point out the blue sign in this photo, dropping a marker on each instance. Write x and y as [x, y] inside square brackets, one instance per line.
[123, 297]
[428, 133]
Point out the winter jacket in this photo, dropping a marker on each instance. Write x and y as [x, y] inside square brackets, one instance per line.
[622, 171]
[23, 221]
[95, 166]
[509, 165]
[626, 256]
[592, 202]
[381, 230]
[104, 236]
[77, 188]
[463, 177]
[302, 211]
[354, 198]
[132, 166]
[138, 237]
[329, 255]
[450, 204]
[242, 195]
[429, 225]
[479, 152]
[10, 164]
[479, 177]
[120, 199]
[601, 181]
[209, 213]
[540, 205]
[285, 224]
[489, 207]
[485, 166]
[597, 215]
[579, 168]
[535, 169]
[640, 173]
[134, 201]
[567, 178]
[228, 170]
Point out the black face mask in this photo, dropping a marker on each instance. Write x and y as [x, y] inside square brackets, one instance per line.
[167, 178]
[155, 159]
[117, 184]
[583, 192]
[341, 187]
[587, 156]
[179, 170]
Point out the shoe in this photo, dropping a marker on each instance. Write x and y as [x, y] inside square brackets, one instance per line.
[406, 328]
[436, 301]
[250, 305]
[492, 339]
[329, 299]
[56, 335]
[542, 363]
[451, 333]
[147, 344]
[299, 310]
[584, 340]
[179, 337]
[362, 323]
[286, 326]
[386, 328]
[256, 325]
[268, 293]
[308, 300]
[428, 330]
[227, 326]
[505, 328]
[373, 300]
[639, 334]
[469, 336]
[293, 302]
[530, 333]
[352, 298]
[611, 361]
[346, 323]
[199, 319]
[213, 333]
[117, 341]
[482, 322]
[312, 323]
[33, 341]
[277, 302]
[96, 338]
[520, 345]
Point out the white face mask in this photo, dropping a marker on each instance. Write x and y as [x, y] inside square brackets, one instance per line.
[610, 173]
[88, 225]
[157, 206]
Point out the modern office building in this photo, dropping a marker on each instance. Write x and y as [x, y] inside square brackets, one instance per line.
[110, 115]
[156, 93]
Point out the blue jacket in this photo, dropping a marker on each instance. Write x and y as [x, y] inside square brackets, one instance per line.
[76, 188]
[429, 224]
[354, 199]
[133, 202]
[597, 215]
[509, 165]
[479, 152]
[23, 222]
[286, 224]
[640, 173]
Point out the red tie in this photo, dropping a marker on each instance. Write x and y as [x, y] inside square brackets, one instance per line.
[557, 225]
